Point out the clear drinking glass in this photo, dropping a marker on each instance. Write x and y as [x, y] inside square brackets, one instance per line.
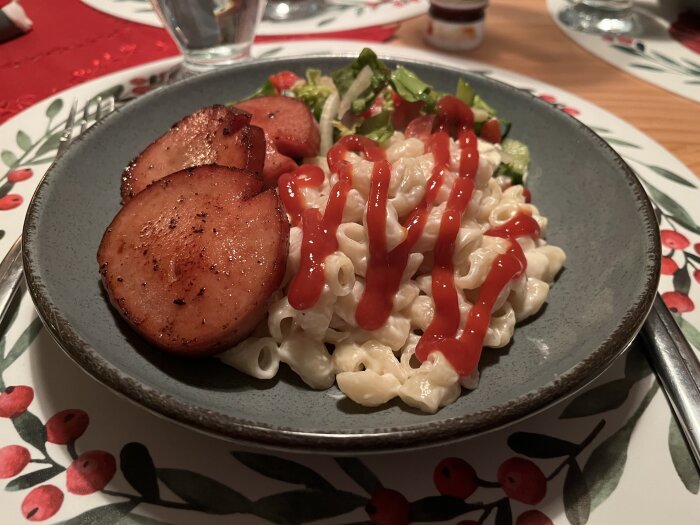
[211, 33]
[601, 17]
[286, 10]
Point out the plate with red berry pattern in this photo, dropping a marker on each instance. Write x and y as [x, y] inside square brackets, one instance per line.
[338, 15]
[70, 450]
[666, 52]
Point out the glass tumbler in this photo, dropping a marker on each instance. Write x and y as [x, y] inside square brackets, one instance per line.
[601, 16]
[289, 10]
[211, 33]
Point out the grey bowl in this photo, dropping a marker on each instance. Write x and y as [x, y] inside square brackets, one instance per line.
[598, 213]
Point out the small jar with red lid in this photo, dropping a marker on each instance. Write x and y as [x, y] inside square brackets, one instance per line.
[456, 25]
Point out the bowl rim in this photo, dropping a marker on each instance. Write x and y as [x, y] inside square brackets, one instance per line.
[374, 440]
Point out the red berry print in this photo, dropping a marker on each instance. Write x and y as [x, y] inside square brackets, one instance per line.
[548, 98]
[42, 503]
[697, 247]
[388, 507]
[522, 480]
[19, 175]
[678, 302]
[455, 477]
[673, 239]
[90, 472]
[13, 459]
[10, 201]
[668, 266]
[696, 276]
[15, 400]
[66, 426]
[533, 517]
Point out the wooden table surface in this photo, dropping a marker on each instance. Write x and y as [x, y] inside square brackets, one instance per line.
[521, 37]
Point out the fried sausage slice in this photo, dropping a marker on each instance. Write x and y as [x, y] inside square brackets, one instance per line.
[211, 135]
[191, 262]
[291, 132]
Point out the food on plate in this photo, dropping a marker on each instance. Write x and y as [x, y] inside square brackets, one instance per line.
[290, 132]
[184, 261]
[413, 244]
[394, 242]
[211, 135]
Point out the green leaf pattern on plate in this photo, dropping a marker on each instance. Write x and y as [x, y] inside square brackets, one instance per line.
[656, 61]
[682, 459]
[604, 467]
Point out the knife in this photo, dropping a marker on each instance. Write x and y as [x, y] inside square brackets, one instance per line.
[677, 367]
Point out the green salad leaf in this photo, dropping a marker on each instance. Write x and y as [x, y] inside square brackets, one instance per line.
[382, 96]
[378, 127]
[345, 76]
[412, 89]
[312, 92]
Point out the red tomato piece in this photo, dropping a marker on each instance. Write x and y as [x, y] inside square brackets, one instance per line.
[405, 112]
[283, 80]
[491, 131]
[375, 108]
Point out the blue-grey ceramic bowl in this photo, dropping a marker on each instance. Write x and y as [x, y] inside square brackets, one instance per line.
[598, 213]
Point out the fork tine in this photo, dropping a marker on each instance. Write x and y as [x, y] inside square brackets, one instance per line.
[110, 105]
[86, 117]
[103, 107]
[65, 137]
[98, 110]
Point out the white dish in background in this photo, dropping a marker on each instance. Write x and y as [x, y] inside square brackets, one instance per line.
[341, 15]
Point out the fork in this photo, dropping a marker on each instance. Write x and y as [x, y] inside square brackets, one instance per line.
[11, 266]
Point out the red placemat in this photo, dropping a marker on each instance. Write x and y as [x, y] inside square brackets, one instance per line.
[71, 43]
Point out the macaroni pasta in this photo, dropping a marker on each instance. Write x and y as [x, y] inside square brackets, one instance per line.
[324, 344]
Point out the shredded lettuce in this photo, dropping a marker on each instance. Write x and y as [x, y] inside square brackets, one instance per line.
[412, 89]
[312, 92]
[388, 89]
[378, 127]
[344, 76]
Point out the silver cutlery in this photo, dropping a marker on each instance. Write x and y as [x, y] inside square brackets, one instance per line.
[678, 369]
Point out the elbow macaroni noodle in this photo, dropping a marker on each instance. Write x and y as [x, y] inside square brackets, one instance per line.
[323, 344]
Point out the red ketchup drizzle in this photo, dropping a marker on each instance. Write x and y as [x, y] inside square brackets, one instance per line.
[453, 116]
[376, 303]
[464, 352]
[385, 269]
[319, 230]
[289, 188]
[521, 224]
